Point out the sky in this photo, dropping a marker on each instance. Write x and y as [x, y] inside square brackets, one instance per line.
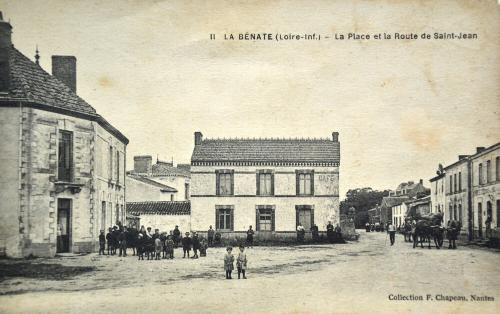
[401, 106]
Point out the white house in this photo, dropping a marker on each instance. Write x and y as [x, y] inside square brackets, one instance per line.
[271, 184]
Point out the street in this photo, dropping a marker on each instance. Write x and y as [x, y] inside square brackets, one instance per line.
[365, 276]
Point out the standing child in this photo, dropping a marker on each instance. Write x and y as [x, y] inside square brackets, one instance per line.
[241, 262]
[169, 243]
[140, 246]
[228, 262]
[102, 242]
[186, 244]
[158, 248]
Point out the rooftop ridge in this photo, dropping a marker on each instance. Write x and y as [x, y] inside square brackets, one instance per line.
[310, 139]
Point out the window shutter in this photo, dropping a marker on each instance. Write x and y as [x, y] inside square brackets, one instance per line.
[272, 219]
[232, 182]
[257, 227]
[272, 183]
[232, 219]
[297, 190]
[312, 182]
[216, 219]
[217, 182]
[257, 184]
[312, 216]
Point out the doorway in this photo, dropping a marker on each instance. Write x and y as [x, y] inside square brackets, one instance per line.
[305, 216]
[480, 219]
[63, 225]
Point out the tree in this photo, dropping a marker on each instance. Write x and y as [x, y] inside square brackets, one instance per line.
[362, 199]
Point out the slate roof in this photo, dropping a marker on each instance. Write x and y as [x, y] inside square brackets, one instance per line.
[31, 84]
[267, 150]
[159, 208]
[163, 169]
[163, 187]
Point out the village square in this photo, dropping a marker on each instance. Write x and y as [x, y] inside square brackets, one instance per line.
[244, 224]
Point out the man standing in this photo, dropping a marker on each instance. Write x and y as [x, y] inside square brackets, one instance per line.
[392, 232]
[177, 236]
[250, 237]
[210, 234]
[122, 238]
[329, 232]
[315, 233]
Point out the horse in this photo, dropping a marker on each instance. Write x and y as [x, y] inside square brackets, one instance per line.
[427, 228]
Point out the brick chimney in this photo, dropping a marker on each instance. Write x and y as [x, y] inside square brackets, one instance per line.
[5, 48]
[64, 69]
[143, 164]
[479, 149]
[198, 138]
[335, 136]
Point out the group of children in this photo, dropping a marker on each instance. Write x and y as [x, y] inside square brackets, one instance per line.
[156, 246]
[241, 262]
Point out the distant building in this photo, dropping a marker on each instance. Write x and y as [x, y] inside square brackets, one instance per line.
[62, 164]
[175, 178]
[438, 193]
[457, 191]
[144, 189]
[409, 189]
[162, 215]
[271, 184]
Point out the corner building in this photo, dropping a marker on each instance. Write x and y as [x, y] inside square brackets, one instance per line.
[62, 164]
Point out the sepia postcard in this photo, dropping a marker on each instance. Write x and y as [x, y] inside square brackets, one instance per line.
[281, 156]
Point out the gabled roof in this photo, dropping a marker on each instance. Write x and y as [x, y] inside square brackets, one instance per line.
[31, 85]
[163, 187]
[159, 208]
[389, 201]
[267, 150]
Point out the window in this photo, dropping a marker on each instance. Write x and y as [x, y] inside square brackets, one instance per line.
[65, 159]
[497, 166]
[451, 184]
[103, 215]
[186, 191]
[172, 197]
[488, 171]
[264, 218]
[224, 218]
[460, 181]
[224, 182]
[117, 166]
[265, 182]
[305, 182]
[110, 166]
[117, 216]
[480, 173]
[455, 183]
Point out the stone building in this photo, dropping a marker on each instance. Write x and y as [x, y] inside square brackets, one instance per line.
[409, 189]
[62, 164]
[271, 184]
[438, 194]
[457, 192]
[175, 177]
[485, 181]
[471, 187]
[144, 189]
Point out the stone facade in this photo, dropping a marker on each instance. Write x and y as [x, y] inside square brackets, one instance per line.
[282, 204]
[438, 199]
[62, 165]
[485, 166]
[457, 192]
